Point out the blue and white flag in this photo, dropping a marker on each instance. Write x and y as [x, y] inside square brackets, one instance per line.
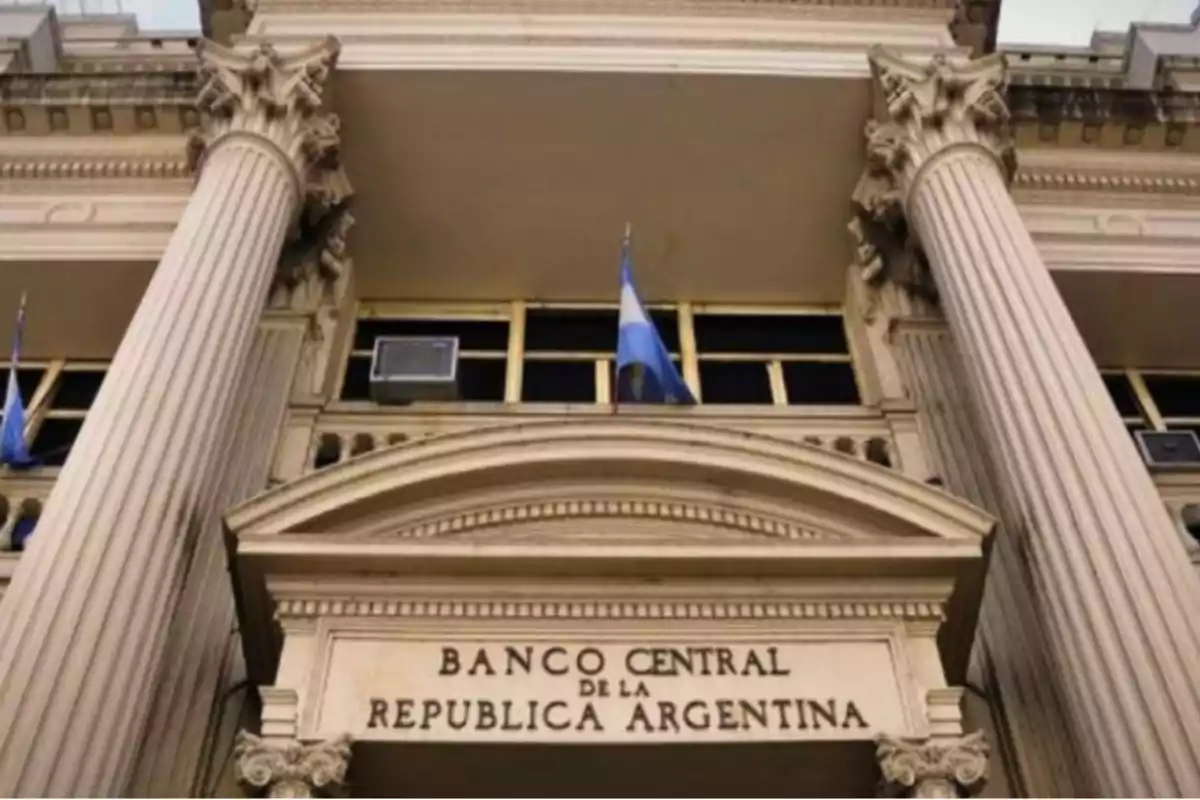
[13, 449]
[645, 372]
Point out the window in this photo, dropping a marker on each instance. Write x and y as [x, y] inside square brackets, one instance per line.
[483, 352]
[779, 358]
[565, 352]
[57, 398]
[1156, 400]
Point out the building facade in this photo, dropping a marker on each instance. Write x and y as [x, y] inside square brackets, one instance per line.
[907, 542]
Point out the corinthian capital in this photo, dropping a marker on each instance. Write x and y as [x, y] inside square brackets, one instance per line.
[273, 98]
[933, 767]
[289, 768]
[934, 106]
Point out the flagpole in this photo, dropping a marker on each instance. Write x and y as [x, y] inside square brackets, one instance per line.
[616, 381]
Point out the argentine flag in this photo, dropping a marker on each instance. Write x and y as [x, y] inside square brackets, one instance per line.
[645, 373]
[13, 449]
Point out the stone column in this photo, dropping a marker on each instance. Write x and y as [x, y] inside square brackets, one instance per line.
[934, 767]
[1118, 592]
[84, 624]
[288, 768]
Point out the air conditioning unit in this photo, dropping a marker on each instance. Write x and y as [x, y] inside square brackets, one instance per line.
[1169, 449]
[408, 368]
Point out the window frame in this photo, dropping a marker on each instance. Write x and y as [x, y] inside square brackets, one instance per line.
[40, 406]
[688, 357]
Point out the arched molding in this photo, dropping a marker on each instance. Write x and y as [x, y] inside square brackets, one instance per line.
[740, 467]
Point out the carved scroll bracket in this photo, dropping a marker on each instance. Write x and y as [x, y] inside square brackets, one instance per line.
[936, 767]
[288, 768]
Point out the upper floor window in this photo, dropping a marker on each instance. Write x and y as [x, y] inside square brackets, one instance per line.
[1156, 400]
[57, 397]
[564, 353]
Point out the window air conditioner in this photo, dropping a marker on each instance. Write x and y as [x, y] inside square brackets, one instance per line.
[1169, 449]
[408, 368]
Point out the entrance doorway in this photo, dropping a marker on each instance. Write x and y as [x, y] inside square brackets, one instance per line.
[769, 769]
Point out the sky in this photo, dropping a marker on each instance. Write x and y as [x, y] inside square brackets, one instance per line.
[1071, 22]
[1061, 22]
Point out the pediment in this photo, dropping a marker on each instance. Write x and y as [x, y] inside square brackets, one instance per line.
[612, 500]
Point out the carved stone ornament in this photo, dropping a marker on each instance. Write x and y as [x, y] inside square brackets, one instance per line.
[288, 768]
[935, 106]
[278, 99]
[933, 767]
[275, 98]
[930, 108]
[884, 250]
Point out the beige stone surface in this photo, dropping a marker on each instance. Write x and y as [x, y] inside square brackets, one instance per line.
[1109, 566]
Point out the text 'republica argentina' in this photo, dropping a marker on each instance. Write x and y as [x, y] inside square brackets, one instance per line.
[734, 690]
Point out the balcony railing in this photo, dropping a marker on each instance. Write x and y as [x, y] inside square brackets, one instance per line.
[22, 496]
[349, 430]
[1181, 493]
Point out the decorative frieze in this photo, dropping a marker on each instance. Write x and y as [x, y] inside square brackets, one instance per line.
[288, 768]
[111, 103]
[312, 607]
[933, 767]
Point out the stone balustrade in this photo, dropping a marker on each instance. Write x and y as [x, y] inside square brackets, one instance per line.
[339, 435]
[21, 499]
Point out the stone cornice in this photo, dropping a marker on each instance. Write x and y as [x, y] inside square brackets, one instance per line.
[109, 103]
[706, 7]
[1068, 116]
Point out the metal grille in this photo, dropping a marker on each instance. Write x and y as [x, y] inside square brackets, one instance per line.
[1169, 448]
[415, 358]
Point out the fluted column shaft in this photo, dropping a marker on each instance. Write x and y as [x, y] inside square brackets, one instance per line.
[194, 672]
[1119, 594]
[83, 625]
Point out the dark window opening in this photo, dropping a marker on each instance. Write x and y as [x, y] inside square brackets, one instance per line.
[1175, 395]
[54, 440]
[570, 330]
[28, 379]
[818, 383]
[576, 330]
[357, 383]
[77, 390]
[735, 382]
[559, 382]
[481, 378]
[792, 334]
[1122, 395]
[472, 334]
